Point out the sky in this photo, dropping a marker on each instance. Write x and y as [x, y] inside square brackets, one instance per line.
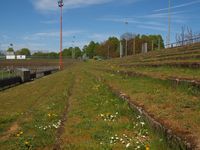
[34, 24]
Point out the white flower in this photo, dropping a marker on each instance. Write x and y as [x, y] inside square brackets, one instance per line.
[142, 123]
[127, 145]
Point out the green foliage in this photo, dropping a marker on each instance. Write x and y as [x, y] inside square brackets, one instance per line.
[68, 52]
[10, 49]
[90, 49]
[109, 48]
[24, 51]
[48, 55]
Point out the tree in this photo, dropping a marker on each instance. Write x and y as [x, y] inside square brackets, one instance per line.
[10, 49]
[78, 52]
[1, 53]
[24, 51]
[67, 52]
[109, 48]
[90, 50]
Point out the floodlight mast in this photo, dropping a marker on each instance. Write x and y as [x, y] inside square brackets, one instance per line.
[61, 4]
[169, 25]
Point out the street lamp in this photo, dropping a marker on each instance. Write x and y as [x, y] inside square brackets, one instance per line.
[61, 4]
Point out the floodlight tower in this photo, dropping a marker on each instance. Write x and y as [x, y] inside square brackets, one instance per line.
[60, 4]
[126, 51]
[169, 25]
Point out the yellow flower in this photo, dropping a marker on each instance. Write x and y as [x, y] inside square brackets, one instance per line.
[18, 135]
[21, 133]
[26, 143]
[49, 115]
[147, 147]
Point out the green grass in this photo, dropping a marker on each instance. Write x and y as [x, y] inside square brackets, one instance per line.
[34, 110]
[171, 71]
[30, 114]
[90, 125]
[6, 74]
[174, 106]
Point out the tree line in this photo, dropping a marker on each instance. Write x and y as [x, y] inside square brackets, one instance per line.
[110, 48]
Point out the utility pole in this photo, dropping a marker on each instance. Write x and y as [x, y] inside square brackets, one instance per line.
[169, 25]
[126, 52]
[134, 46]
[61, 4]
[108, 51]
[73, 48]
[159, 43]
[152, 46]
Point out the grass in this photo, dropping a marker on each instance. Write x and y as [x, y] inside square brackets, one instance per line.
[99, 120]
[30, 113]
[176, 108]
[6, 74]
[159, 72]
[171, 71]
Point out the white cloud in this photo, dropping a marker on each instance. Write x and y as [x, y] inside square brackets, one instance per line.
[44, 35]
[180, 6]
[155, 28]
[100, 37]
[51, 5]
[49, 21]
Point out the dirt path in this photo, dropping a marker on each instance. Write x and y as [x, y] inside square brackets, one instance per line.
[61, 129]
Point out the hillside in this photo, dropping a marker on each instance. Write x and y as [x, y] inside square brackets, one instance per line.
[138, 102]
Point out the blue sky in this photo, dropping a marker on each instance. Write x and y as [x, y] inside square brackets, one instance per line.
[35, 23]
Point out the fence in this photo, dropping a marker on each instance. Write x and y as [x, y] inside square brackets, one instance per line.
[195, 39]
[6, 73]
[11, 77]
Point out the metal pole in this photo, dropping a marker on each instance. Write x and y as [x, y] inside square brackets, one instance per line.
[169, 25]
[126, 47]
[134, 46]
[61, 61]
[108, 51]
[126, 53]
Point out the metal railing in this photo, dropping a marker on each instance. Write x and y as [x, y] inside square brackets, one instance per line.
[195, 39]
[6, 73]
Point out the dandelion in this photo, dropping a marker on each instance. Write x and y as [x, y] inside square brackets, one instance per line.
[18, 135]
[26, 143]
[21, 132]
[147, 147]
